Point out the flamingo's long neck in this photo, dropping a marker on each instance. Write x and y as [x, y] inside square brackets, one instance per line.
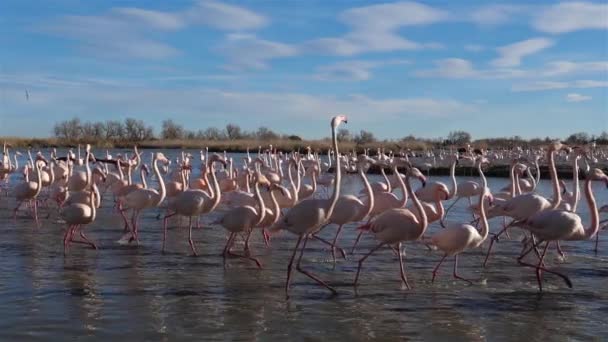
[388, 183]
[439, 205]
[557, 196]
[485, 226]
[336, 193]
[119, 167]
[87, 167]
[276, 209]
[537, 170]
[217, 193]
[142, 174]
[421, 213]
[403, 187]
[247, 180]
[369, 206]
[294, 189]
[517, 185]
[513, 180]
[161, 183]
[38, 179]
[575, 189]
[261, 204]
[595, 216]
[453, 178]
[94, 203]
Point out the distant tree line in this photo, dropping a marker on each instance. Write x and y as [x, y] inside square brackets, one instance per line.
[133, 130]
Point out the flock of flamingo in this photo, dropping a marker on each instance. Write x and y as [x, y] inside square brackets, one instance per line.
[268, 195]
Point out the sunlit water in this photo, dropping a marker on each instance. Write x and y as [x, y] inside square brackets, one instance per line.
[129, 291]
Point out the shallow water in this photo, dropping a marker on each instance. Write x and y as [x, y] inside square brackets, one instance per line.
[129, 291]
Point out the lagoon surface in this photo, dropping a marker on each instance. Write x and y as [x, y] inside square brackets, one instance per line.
[137, 292]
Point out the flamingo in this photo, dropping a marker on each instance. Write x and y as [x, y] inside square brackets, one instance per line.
[555, 224]
[456, 238]
[384, 201]
[523, 206]
[349, 208]
[194, 202]
[397, 225]
[309, 215]
[141, 199]
[78, 214]
[244, 218]
[29, 191]
[427, 193]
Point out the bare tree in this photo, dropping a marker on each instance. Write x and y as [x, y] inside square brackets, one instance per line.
[233, 131]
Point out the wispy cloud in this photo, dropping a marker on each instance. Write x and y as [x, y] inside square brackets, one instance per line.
[353, 70]
[512, 54]
[129, 32]
[560, 68]
[375, 29]
[458, 68]
[572, 16]
[550, 85]
[246, 51]
[474, 47]
[573, 97]
[495, 14]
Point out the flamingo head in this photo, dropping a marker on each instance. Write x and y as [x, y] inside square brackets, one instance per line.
[160, 156]
[262, 180]
[280, 188]
[338, 119]
[217, 158]
[597, 175]
[145, 168]
[414, 172]
[442, 191]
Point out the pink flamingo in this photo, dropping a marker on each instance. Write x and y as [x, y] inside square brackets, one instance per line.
[458, 237]
[554, 225]
[141, 199]
[310, 215]
[28, 191]
[397, 225]
[78, 214]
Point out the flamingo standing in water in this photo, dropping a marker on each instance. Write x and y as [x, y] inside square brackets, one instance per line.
[310, 215]
[194, 202]
[78, 214]
[245, 218]
[141, 199]
[397, 225]
[554, 225]
[458, 237]
[29, 191]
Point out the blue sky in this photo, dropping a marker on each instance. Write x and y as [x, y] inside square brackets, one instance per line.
[395, 68]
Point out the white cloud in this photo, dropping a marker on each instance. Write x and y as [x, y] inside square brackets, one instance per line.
[474, 48]
[511, 55]
[246, 51]
[572, 16]
[375, 29]
[458, 68]
[354, 70]
[590, 84]
[573, 97]
[153, 19]
[125, 32]
[494, 14]
[540, 85]
[549, 85]
[560, 68]
[223, 16]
